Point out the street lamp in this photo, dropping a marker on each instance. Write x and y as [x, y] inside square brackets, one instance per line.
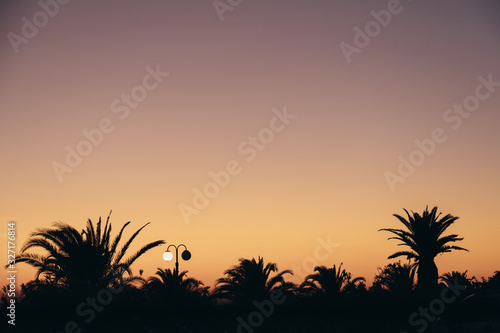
[167, 255]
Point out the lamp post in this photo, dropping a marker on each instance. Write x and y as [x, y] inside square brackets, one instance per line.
[167, 256]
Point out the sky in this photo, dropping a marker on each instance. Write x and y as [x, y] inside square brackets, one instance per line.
[291, 130]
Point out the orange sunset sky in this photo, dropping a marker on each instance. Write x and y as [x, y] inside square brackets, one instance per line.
[319, 174]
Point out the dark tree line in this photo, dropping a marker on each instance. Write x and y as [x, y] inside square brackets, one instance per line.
[86, 277]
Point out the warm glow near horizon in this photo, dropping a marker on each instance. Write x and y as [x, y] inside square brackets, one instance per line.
[289, 183]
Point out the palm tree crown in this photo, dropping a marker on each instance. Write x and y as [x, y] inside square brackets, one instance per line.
[458, 278]
[251, 280]
[170, 283]
[330, 282]
[86, 259]
[424, 237]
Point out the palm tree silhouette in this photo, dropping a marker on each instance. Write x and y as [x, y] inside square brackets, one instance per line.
[396, 279]
[330, 282]
[424, 239]
[250, 280]
[82, 260]
[169, 283]
[452, 278]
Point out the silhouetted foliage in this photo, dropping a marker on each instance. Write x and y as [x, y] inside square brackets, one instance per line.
[73, 268]
[331, 282]
[251, 280]
[82, 261]
[396, 280]
[492, 283]
[77, 266]
[424, 238]
[168, 284]
[460, 278]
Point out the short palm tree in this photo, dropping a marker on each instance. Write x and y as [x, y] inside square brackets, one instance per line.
[330, 282]
[395, 279]
[169, 283]
[458, 278]
[82, 260]
[424, 237]
[251, 280]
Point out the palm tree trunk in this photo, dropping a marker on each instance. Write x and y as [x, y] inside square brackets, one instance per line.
[427, 277]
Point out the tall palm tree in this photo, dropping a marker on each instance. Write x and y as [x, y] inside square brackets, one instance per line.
[82, 260]
[425, 240]
[330, 282]
[251, 280]
[169, 283]
[396, 279]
